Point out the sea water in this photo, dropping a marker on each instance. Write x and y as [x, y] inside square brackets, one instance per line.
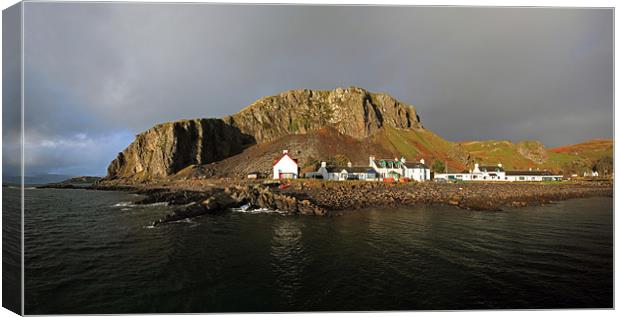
[94, 252]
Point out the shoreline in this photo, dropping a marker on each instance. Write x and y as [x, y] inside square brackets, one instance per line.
[193, 198]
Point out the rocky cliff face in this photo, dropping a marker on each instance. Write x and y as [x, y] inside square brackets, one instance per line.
[533, 150]
[352, 111]
[169, 147]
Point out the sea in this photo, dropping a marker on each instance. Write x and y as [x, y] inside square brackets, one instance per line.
[94, 252]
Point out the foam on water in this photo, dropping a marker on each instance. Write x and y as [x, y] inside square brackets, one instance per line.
[131, 204]
[155, 204]
[124, 204]
[247, 209]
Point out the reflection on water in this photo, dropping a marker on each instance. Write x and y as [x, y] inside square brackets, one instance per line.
[85, 254]
[287, 250]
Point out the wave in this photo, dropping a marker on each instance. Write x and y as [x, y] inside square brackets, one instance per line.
[19, 187]
[131, 204]
[165, 203]
[247, 209]
[124, 204]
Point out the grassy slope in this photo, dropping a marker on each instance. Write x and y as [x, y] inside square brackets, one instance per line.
[413, 144]
[492, 152]
[421, 143]
[506, 152]
[593, 149]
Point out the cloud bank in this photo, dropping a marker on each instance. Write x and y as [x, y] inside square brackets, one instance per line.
[98, 73]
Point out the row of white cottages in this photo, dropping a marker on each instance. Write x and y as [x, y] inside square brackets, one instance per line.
[285, 167]
[497, 173]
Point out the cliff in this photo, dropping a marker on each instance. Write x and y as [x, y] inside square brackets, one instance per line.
[167, 148]
[352, 111]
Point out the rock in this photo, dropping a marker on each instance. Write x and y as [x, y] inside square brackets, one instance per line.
[167, 148]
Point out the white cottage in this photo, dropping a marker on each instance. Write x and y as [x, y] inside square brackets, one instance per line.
[532, 176]
[285, 167]
[497, 173]
[479, 173]
[348, 172]
[590, 174]
[387, 168]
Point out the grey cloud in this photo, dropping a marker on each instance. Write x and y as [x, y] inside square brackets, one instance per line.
[109, 69]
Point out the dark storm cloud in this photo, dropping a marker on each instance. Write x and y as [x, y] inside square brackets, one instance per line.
[97, 73]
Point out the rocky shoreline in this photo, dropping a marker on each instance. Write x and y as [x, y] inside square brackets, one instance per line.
[192, 198]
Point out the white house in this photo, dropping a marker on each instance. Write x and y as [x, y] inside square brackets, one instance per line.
[497, 173]
[348, 172]
[590, 174]
[285, 167]
[532, 176]
[396, 169]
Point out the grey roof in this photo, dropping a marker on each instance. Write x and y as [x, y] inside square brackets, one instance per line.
[416, 165]
[490, 168]
[408, 164]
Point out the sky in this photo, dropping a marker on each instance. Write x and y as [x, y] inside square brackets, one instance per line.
[97, 74]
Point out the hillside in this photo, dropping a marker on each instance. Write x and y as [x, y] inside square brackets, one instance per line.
[315, 125]
[593, 149]
[533, 154]
[353, 115]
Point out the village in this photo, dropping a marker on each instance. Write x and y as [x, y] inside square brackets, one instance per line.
[401, 170]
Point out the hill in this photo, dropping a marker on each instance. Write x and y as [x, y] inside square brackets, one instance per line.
[315, 125]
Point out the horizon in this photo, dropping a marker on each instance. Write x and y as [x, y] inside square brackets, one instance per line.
[502, 74]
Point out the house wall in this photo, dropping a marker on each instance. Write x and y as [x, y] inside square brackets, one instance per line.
[285, 165]
[365, 176]
[500, 177]
[418, 174]
[383, 172]
[535, 178]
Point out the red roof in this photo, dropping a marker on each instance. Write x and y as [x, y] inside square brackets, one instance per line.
[282, 156]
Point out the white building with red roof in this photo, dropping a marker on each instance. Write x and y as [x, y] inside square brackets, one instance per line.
[285, 167]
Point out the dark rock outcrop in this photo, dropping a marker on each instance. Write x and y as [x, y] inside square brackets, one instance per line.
[352, 111]
[167, 148]
[231, 197]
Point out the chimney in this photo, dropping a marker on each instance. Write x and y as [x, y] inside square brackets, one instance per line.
[422, 160]
[349, 164]
[530, 169]
[285, 152]
[323, 164]
[370, 160]
[476, 166]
